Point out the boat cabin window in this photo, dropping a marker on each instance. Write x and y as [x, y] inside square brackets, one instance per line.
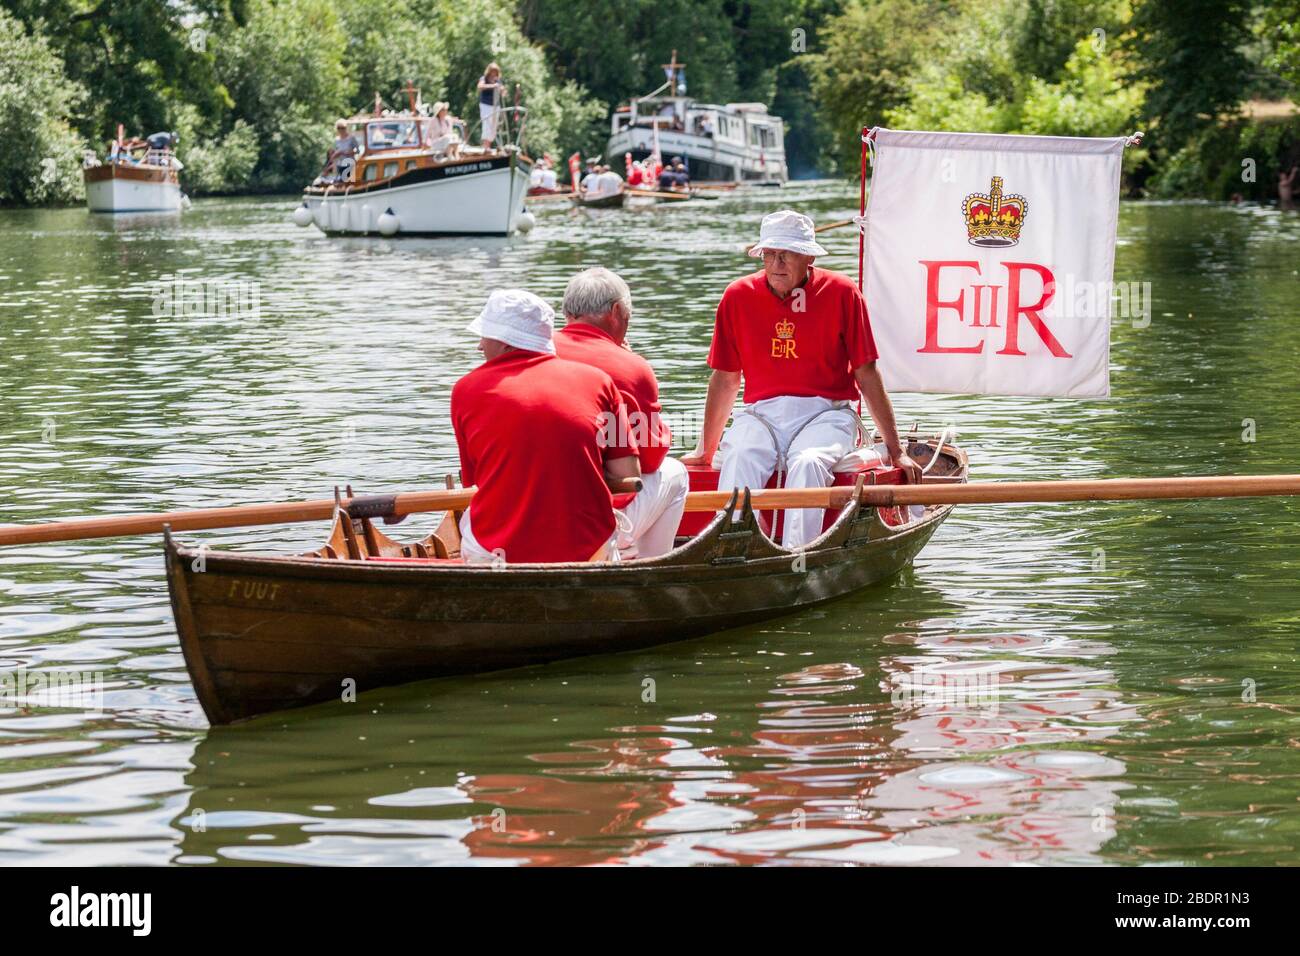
[392, 134]
[390, 169]
[410, 165]
[372, 172]
[761, 136]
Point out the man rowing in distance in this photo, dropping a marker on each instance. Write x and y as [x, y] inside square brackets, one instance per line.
[801, 340]
[598, 307]
[543, 438]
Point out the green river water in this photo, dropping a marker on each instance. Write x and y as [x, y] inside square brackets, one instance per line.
[1143, 655]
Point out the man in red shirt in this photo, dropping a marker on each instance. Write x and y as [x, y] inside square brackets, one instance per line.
[598, 306]
[801, 340]
[544, 439]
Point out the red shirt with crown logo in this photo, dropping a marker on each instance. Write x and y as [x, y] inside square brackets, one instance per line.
[807, 344]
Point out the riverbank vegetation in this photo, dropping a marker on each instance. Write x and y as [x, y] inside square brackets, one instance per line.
[253, 86]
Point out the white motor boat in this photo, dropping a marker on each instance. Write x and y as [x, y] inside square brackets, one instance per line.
[735, 142]
[402, 183]
[137, 176]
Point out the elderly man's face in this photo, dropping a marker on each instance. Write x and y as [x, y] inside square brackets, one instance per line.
[785, 270]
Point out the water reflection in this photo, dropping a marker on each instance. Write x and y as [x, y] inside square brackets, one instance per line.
[836, 762]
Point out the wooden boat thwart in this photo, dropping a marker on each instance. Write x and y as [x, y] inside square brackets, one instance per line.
[262, 633]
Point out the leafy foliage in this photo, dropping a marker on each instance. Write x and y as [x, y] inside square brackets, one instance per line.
[253, 86]
[37, 100]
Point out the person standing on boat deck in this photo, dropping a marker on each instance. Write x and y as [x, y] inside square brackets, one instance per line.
[598, 307]
[543, 438]
[801, 339]
[343, 154]
[490, 91]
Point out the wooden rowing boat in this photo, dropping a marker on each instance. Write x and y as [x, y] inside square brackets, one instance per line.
[656, 195]
[261, 633]
[550, 196]
[612, 201]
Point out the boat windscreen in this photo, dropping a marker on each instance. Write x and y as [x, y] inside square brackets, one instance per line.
[391, 134]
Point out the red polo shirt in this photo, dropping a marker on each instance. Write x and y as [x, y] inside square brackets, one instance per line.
[635, 378]
[805, 344]
[531, 432]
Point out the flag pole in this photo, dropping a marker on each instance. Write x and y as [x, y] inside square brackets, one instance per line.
[862, 205]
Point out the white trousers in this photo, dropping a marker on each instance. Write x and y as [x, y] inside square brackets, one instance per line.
[653, 515]
[474, 553]
[812, 433]
[488, 115]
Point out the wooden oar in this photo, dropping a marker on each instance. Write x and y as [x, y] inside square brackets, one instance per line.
[656, 194]
[983, 492]
[1013, 492]
[237, 516]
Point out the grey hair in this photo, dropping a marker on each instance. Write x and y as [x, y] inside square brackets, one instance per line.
[594, 292]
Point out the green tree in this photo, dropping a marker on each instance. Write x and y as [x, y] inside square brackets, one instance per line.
[866, 57]
[561, 114]
[137, 57]
[37, 100]
[284, 70]
[1281, 24]
[391, 43]
[1191, 54]
[1091, 98]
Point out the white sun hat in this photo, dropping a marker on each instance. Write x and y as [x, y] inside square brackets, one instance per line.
[517, 318]
[787, 230]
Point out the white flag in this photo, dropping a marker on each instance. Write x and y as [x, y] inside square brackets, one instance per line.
[990, 261]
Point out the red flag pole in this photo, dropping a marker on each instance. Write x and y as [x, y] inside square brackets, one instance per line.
[862, 205]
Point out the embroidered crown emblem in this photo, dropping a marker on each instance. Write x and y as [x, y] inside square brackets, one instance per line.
[785, 329]
[994, 219]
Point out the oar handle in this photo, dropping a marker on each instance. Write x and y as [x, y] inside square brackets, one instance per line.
[238, 516]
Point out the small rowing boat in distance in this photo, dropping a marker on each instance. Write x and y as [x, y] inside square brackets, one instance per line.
[549, 196]
[262, 633]
[610, 201]
[657, 195]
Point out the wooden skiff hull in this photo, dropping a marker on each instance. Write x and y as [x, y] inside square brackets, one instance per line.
[613, 201]
[265, 633]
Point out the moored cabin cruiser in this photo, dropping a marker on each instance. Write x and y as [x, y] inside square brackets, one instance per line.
[735, 142]
[138, 175]
[408, 176]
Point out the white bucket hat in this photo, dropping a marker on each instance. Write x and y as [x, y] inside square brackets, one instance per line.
[517, 318]
[788, 230]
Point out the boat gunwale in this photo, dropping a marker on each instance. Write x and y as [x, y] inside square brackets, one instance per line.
[499, 161]
[833, 541]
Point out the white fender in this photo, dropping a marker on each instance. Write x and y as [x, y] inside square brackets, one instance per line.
[302, 216]
[388, 223]
[526, 221]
